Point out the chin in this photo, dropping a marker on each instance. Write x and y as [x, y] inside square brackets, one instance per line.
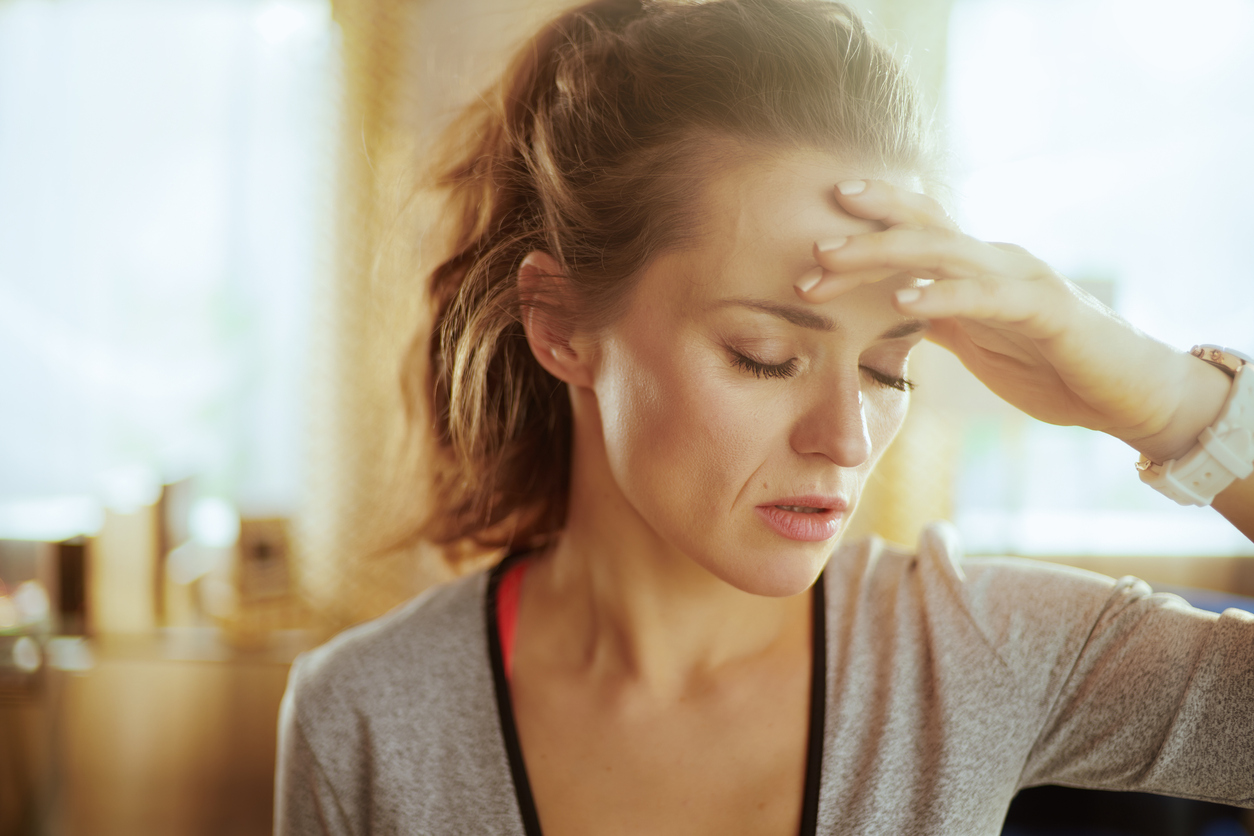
[780, 572]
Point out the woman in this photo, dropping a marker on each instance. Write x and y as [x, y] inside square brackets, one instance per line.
[688, 261]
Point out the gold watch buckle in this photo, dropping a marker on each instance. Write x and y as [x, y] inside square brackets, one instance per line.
[1228, 360]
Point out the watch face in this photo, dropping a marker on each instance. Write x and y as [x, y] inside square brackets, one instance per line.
[1228, 359]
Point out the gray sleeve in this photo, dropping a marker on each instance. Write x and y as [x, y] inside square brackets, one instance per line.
[1159, 698]
[305, 801]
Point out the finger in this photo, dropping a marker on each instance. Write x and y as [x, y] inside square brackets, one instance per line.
[891, 205]
[948, 334]
[1023, 305]
[916, 251]
[820, 285]
[959, 337]
[926, 252]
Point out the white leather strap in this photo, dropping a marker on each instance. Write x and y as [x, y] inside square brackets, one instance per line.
[1224, 453]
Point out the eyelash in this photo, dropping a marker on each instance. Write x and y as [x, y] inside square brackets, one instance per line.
[788, 368]
[901, 384]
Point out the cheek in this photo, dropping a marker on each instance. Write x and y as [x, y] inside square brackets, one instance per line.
[885, 413]
[675, 430]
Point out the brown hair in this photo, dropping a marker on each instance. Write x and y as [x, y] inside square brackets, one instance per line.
[588, 148]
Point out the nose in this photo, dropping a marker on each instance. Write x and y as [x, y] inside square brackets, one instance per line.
[833, 424]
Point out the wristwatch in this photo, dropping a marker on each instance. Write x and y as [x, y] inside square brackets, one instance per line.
[1224, 451]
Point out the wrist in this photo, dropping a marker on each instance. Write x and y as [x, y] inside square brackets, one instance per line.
[1224, 450]
[1203, 390]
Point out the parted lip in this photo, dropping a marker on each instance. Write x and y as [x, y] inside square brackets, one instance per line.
[826, 503]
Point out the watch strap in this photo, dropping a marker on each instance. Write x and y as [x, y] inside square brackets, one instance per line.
[1224, 452]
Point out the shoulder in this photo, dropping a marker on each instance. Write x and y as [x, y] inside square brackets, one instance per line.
[1016, 607]
[392, 726]
[424, 656]
[938, 559]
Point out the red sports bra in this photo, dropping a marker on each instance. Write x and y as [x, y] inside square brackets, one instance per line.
[507, 612]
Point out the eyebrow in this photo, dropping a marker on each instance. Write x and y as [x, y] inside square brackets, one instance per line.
[815, 321]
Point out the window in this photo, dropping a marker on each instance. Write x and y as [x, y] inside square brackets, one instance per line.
[1110, 138]
[165, 178]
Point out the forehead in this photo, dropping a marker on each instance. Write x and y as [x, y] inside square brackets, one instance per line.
[773, 199]
[777, 197]
[758, 220]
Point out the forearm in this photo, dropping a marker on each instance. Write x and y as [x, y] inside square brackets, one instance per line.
[1236, 503]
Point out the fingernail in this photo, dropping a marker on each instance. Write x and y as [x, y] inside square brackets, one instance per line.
[908, 295]
[849, 187]
[830, 244]
[809, 279]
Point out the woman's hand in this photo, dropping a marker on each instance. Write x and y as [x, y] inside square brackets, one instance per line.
[1032, 337]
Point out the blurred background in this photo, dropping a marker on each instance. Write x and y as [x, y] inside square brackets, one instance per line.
[204, 292]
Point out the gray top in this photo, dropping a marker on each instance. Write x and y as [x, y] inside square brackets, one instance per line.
[950, 685]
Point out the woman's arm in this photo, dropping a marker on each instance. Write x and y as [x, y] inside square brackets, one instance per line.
[1156, 700]
[304, 800]
[1034, 338]
[1236, 503]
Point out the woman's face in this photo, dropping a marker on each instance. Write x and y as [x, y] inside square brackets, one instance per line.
[739, 423]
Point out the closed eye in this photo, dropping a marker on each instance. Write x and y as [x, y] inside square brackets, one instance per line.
[901, 384]
[764, 370]
[789, 368]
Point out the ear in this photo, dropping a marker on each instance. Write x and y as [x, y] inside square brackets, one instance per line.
[541, 291]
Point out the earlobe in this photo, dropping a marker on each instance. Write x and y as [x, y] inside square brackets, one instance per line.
[541, 291]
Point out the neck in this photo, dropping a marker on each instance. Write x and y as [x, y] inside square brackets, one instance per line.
[623, 603]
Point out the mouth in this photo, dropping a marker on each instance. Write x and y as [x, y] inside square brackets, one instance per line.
[805, 518]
